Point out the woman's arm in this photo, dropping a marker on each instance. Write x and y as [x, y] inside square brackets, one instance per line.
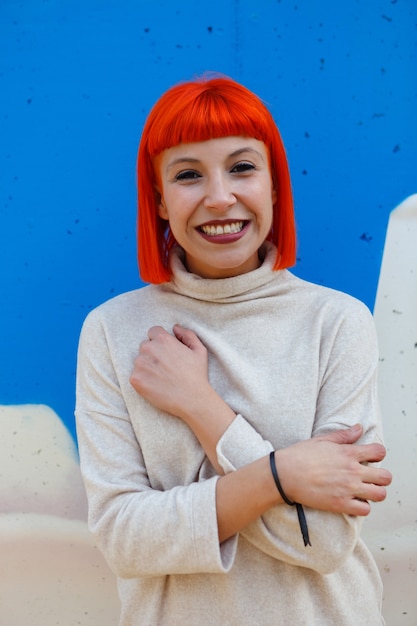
[326, 473]
[144, 520]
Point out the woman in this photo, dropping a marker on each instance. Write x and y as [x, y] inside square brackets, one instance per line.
[213, 399]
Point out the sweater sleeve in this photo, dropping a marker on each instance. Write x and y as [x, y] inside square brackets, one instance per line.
[142, 531]
[347, 395]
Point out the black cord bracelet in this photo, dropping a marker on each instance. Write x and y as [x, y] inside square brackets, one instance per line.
[300, 511]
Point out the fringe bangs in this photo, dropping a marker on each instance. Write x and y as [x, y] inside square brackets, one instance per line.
[209, 116]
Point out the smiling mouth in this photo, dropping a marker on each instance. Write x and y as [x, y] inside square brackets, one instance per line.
[214, 230]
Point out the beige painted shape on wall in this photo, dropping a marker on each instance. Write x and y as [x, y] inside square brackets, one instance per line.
[391, 530]
[50, 570]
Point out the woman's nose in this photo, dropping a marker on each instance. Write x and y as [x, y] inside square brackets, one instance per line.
[219, 194]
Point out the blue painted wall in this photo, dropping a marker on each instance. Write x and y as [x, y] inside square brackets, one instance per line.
[77, 79]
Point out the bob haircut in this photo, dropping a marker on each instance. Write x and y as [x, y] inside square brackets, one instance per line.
[198, 110]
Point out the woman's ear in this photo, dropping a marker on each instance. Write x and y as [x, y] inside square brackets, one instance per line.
[162, 211]
[274, 194]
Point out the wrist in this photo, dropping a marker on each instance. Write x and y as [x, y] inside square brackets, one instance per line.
[283, 468]
[300, 511]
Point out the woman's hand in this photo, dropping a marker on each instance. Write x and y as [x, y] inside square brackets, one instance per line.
[328, 473]
[331, 472]
[171, 372]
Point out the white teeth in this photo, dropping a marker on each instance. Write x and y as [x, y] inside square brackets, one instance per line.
[234, 227]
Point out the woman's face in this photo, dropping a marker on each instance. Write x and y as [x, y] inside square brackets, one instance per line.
[217, 196]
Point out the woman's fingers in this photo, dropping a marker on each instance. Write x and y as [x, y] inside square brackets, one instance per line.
[370, 453]
[171, 369]
[188, 337]
[343, 436]
[364, 453]
[356, 506]
[332, 476]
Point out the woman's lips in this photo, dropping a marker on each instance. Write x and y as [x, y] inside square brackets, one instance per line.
[223, 232]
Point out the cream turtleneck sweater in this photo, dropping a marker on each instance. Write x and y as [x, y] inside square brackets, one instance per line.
[293, 360]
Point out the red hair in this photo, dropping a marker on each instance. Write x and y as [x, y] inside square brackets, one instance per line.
[207, 108]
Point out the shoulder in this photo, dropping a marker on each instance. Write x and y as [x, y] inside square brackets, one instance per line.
[326, 298]
[336, 316]
[122, 309]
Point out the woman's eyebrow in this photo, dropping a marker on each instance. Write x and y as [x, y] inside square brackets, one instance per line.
[180, 160]
[246, 149]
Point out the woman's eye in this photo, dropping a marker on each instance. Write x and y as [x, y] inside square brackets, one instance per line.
[187, 175]
[243, 167]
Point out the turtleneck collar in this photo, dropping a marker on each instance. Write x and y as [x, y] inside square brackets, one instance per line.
[234, 289]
